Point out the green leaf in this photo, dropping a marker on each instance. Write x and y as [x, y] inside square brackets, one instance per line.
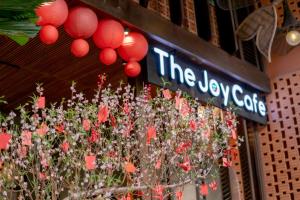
[20, 39]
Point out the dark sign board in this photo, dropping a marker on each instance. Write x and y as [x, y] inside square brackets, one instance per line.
[198, 81]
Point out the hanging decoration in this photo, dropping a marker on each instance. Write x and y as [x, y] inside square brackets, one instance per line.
[81, 23]
[79, 47]
[48, 34]
[134, 47]
[108, 56]
[132, 69]
[108, 35]
[52, 13]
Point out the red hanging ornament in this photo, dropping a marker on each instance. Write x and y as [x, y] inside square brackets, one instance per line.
[134, 47]
[108, 56]
[109, 34]
[132, 69]
[81, 22]
[48, 34]
[52, 13]
[80, 48]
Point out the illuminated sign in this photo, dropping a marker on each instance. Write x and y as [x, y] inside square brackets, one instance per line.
[199, 82]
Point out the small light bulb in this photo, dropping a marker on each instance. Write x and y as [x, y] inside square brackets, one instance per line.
[293, 38]
[126, 31]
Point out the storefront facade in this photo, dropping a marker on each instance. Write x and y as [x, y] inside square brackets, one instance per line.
[212, 66]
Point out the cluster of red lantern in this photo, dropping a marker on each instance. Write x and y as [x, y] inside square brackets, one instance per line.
[82, 23]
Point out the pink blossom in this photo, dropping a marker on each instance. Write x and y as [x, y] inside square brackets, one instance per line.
[158, 164]
[42, 176]
[213, 185]
[22, 151]
[167, 94]
[42, 130]
[226, 162]
[183, 147]
[186, 165]
[26, 138]
[86, 124]
[158, 192]
[182, 106]
[94, 136]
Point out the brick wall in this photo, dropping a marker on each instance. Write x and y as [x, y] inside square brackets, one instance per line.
[189, 18]
[279, 141]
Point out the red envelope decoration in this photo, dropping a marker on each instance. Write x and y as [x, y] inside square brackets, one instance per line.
[151, 134]
[167, 95]
[129, 167]
[103, 114]
[90, 162]
[26, 138]
[40, 103]
[4, 141]
[203, 189]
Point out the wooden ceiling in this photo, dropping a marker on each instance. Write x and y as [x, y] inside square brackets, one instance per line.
[21, 67]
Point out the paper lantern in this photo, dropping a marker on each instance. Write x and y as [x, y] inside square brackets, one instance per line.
[52, 13]
[132, 69]
[108, 56]
[134, 47]
[48, 34]
[81, 23]
[109, 34]
[80, 48]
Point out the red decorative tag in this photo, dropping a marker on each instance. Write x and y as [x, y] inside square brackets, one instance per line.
[90, 162]
[40, 103]
[204, 189]
[4, 141]
[103, 114]
[151, 134]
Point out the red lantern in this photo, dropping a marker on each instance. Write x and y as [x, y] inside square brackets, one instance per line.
[79, 47]
[48, 34]
[52, 13]
[109, 34]
[134, 47]
[132, 69]
[81, 23]
[108, 56]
